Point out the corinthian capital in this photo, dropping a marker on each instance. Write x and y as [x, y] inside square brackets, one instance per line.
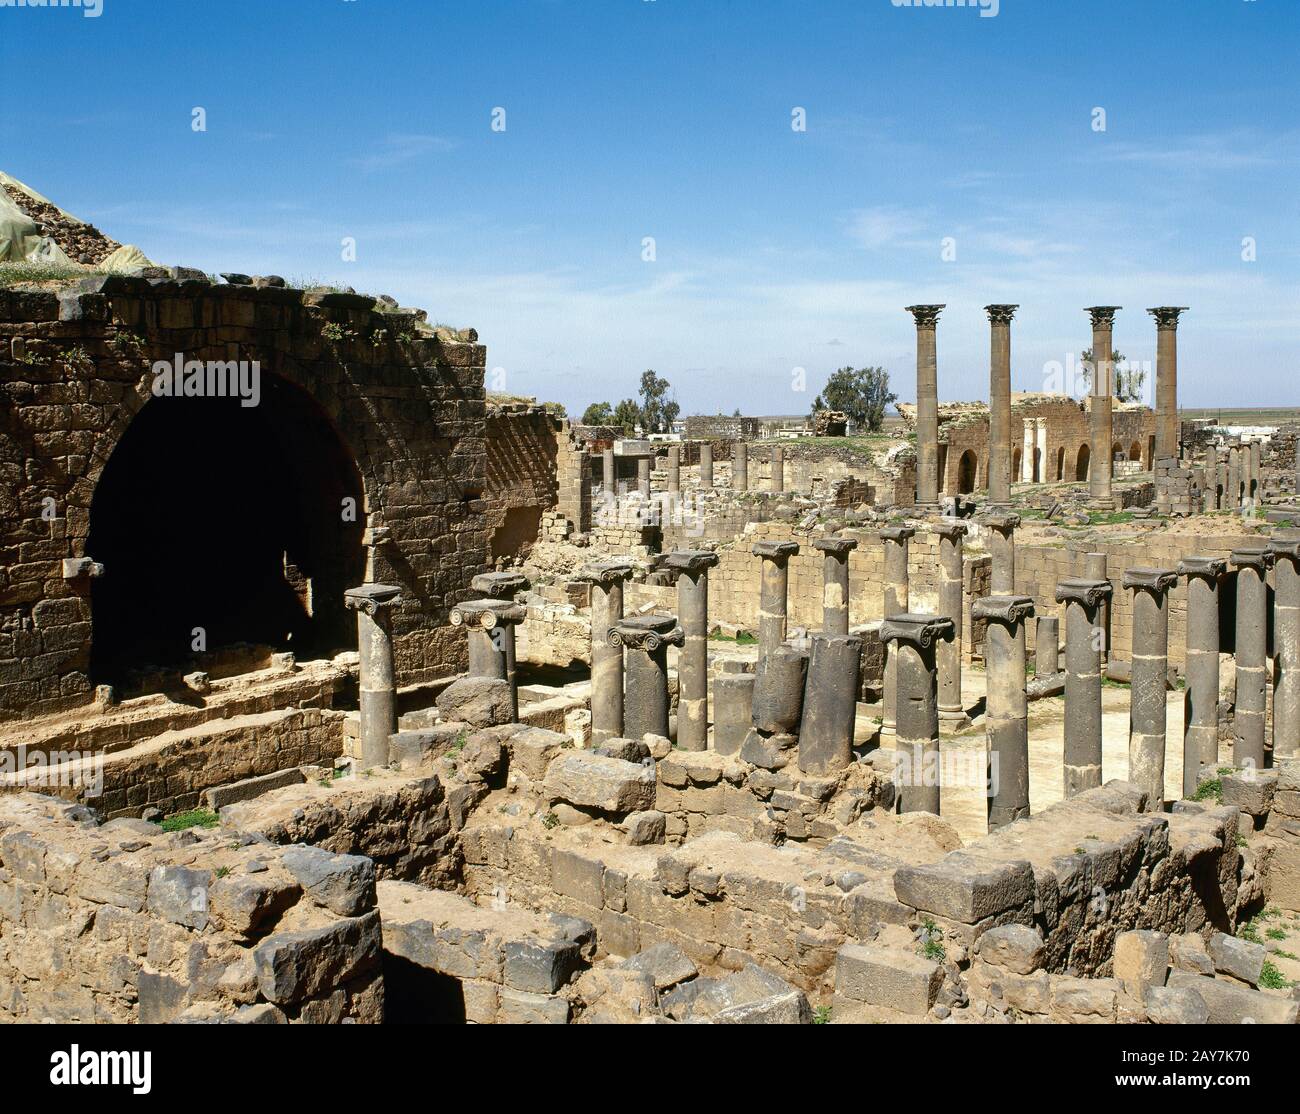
[1167, 316]
[1102, 316]
[926, 316]
[1001, 314]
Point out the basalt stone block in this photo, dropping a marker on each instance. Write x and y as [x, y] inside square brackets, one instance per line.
[778, 691]
[887, 977]
[479, 701]
[609, 784]
[665, 964]
[292, 966]
[1239, 958]
[1141, 960]
[769, 752]
[180, 895]
[533, 749]
[343, 884]
[537, 966]
[1230, 1003]
[243, 901]
[645, 828]
[780, 1009]
[1169, 1005]
[1016, 947]
[733, 703]
[964, 889]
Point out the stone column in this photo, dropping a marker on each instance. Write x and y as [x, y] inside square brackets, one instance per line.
[378, 686]
[674, 468]
[1256, 488]
[927, 405]
[778, 467]
[772, 593]
[733, 709]
[606, 579]
[1201, 693]
[1212, 497]
[999, 466]
[912, 639]
[830, 704]
[1252, 565]
[491, 628]
[646, 639]
[1002, 551]
[1083, 599]
[1094, 568]
[1047, 646]
[1285, 548]
[609, 465]
[895, 603]
[706, 464]
[1168, 433]
[1150, 681]
[1100, 422]
[835, 583]
[948, 653]
[692, 567]
[739, 466]
[1297, 466]
[1234, 479]
[643, 476]
[1007, 716]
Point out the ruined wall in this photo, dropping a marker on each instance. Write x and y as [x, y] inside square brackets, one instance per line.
[406, 405]
[523, 477]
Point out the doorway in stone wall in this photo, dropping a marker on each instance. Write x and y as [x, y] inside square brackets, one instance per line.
[222, 526]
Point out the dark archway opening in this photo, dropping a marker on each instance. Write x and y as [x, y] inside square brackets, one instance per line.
[244, 522]
[1060, 463]
[966, 473]
[1081, 463]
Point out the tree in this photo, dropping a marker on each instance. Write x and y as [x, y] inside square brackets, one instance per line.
[861, 393]
[656, 413]
[627, 414]
[1128, 380]
[598, 413]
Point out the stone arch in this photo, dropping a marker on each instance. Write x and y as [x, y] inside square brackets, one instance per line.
[1081, 462]
[1135, 451]
[1015, 465]
[966, 468]
[1038, 465]
[1060, 463]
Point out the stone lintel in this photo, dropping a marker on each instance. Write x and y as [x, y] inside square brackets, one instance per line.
[837, 546]
[1001, 522]
[896, 533]
[499, 585]
[1252, 557]
[1102, 315]
[488, 614]
[1008, 610]
[776, 551]
[1167, 316]
[1156, 581]
[604, 573]
[371, 597]
[1082, 590]
[691, 560]
[1285, 543]
[1211, 568]
[1001, 313]
[949, 528]
[646, 632]
[926, 316]
[920, 630]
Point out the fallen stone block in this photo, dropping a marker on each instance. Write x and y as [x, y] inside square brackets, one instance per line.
[1231, 1003]
[1239, 958]
[965, 889]
[609, 784]
[479, 701]
[665, 964]
[1172, 1005]
[292, 966]
[343, 884]
[247, 788]
[887, 977]
[1141, 960]
[1015, 947]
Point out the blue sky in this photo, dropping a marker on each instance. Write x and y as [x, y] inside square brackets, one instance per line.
[671, 119]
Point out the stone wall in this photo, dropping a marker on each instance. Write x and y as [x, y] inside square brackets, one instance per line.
[523, 476]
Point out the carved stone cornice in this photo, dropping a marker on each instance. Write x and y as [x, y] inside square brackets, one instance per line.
[1155, 581]
[1285, 543]
[1167, 316]
[499, 585]
[691, 560]
[1103, 317]
[372, 598]
[604, 573]
[1252, 557]
[1078, 589]
[488, 614]
[1008, 610]
[920, 630]
[836, 546]
[1208, 568]
[896, 533]
[1001, 313]
[926, 316]
[949, 528]
[646, 632]
[776, 551]
[1003, 523]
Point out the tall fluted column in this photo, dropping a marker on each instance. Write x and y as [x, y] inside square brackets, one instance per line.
[772, 593]
[948, 654]
[606, 579]
[1150, 680]
[646, 639]
[911, 639]
[895, 603]
[693, 567]
[1082, 599]
[1201, 691]
[491, 629]
[778, 468]
[739, 466]
[927, 405]
[373, 604]
[1252, 565]
[835, 583]
[999, 467]
[1285, 547]
[1007, 715]
[1103, 388]
[1168, 434]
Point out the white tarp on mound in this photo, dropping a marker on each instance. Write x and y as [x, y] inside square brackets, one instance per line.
[21, 240]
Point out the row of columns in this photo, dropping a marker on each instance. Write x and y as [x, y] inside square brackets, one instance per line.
[673, 467]
[1101, 424]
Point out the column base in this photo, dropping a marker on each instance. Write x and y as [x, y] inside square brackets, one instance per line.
[1103, 503]
[953, 719]
[927, 508]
